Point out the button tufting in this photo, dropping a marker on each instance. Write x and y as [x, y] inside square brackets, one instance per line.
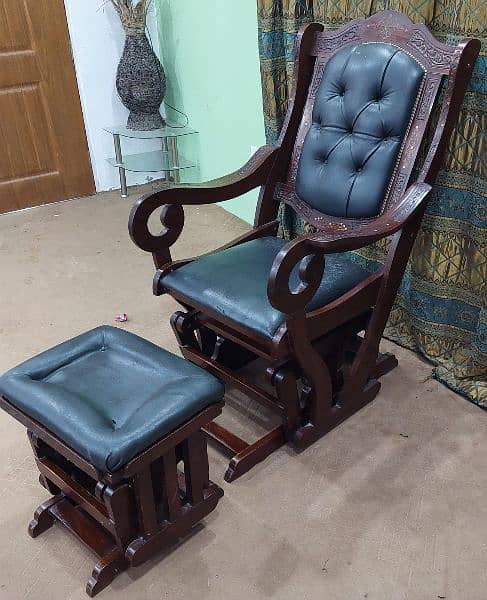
[354, 130]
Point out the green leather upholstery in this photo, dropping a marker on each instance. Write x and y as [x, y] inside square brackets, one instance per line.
[360, 116]
[233, 283]
[109, 394]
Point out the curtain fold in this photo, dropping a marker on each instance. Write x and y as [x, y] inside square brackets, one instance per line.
[441, 309]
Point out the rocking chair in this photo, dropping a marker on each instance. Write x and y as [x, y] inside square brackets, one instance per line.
[362, 102]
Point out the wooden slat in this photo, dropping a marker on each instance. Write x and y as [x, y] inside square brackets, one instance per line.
[225, 438]
[93, 536]
[169, 441]
[195, 467]
[144, 496]
[171, 485]
[72, 489]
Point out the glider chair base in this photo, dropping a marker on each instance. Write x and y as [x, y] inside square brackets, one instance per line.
[224, 359]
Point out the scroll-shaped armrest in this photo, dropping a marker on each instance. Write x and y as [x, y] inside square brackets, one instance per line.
[253, 174]
[308, 252]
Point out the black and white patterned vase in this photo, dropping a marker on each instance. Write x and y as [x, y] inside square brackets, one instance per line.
[141, 83]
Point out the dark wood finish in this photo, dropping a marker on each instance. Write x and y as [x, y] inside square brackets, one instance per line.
[144, 548]
[74, 491]
[144, 500]
[255, 453]
[127, 516]
[43, 519]
[225, 438]
[196, 469]
[321, 369]
[172, 500]
[44, 150]
[251, 175]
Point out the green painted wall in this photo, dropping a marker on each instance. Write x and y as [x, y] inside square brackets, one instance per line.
[210, 55]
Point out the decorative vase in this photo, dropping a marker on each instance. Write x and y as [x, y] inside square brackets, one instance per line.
[141, 83]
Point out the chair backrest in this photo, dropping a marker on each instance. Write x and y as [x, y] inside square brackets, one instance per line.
[360, 118]
[362, 100]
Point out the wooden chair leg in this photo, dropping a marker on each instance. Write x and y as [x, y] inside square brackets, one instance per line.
[244, 455]
[285, 382]
[121, 510]
[385, 363]
[43, 518]
[254, 453]
[105, 572]
[366, 358]
[316, 374]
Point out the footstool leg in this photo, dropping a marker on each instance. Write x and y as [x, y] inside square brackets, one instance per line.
[105, 572]
[196, 469]
[43, 518]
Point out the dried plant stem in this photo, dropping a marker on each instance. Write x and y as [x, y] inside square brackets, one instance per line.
[133, 16]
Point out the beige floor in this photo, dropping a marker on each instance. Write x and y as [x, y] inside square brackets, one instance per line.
[392, 505]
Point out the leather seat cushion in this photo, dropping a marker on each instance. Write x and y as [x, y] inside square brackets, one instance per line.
[233, 283]
[109, 394]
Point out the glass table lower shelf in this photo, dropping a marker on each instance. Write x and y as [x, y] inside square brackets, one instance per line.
[151, 162]
[165, 160]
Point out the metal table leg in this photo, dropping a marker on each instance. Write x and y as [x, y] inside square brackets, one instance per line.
[165, 149]
[121, 170]
[173, 142]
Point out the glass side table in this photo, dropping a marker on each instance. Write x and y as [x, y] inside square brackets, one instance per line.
[166, 160]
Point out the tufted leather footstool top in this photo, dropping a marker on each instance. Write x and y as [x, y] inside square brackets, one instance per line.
[109, 394]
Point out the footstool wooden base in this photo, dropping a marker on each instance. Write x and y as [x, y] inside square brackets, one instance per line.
[128, 516]
[125, 516]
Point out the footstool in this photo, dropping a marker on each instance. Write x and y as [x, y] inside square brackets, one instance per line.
[115, 425]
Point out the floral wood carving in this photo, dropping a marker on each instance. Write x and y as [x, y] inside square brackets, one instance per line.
[327, 43]
[428, 98]
[435, 55]
[387, 30]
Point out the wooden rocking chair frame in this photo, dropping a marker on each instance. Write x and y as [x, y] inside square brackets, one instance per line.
[322, 371]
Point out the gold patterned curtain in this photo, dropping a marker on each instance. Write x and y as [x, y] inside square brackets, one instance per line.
[441, 310]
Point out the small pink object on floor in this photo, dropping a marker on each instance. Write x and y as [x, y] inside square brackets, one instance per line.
[121, 318]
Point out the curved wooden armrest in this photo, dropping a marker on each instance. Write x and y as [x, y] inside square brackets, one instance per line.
[309, 251]
[253, 174]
